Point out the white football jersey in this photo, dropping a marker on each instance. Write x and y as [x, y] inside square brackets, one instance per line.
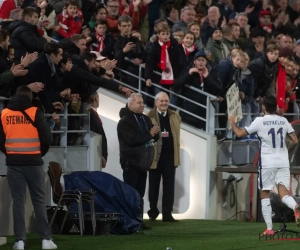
[272, 131]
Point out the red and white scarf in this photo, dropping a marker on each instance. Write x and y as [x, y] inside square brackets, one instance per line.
[187, 50]
[267, 28]
[101, 44]
[65, 14]
[165, 65]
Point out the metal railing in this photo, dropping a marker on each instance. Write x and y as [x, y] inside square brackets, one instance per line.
[210, 99]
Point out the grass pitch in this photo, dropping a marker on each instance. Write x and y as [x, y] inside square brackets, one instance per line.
[184, 235]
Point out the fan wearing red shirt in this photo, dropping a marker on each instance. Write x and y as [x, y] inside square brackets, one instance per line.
[6, 6]
[69, 21]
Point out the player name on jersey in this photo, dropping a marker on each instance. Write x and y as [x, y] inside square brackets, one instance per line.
[268, 123]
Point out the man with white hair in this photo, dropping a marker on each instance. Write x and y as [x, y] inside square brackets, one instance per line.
[166, 157]
[213, 21]
[136, 135]
[188, 15]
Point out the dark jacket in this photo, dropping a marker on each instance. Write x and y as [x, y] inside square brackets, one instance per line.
[138, 52]
[252, 52]
[209, 85]
[264, 73]
[21, 102]
[186, 60]
[69, 47]
[83, 82]
[133, 134]
[153, 60]
[97, 127]
[4, 63]
[25, 38]
[40, 71]
[108, 42]
[243, 40]
[227, 73]
[246, 85]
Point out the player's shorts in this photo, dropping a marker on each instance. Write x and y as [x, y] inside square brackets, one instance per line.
[268, 177]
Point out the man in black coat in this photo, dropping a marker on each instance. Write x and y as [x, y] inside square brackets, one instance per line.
[136, 135]
[96, 125]
[130, 47]
[25, 36]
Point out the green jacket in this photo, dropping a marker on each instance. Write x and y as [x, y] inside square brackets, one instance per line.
[228, 43]
[218, 51]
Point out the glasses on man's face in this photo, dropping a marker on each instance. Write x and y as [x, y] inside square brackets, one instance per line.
[113, 6]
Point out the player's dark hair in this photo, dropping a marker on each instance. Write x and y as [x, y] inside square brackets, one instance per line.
[270, 103]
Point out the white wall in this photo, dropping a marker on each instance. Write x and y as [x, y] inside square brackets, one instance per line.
[192, 177]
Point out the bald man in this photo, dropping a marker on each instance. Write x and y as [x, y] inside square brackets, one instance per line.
[166, 157]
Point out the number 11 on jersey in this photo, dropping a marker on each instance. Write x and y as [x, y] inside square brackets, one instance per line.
[279, 132]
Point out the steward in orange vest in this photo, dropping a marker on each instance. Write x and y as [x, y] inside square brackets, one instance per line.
[24, 143]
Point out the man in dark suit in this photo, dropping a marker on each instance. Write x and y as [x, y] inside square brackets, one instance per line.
[96, 125]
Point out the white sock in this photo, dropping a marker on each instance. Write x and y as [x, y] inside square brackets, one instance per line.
[267, 212]
[289, 201]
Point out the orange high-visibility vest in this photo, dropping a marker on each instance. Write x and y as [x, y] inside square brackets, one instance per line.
[21, 136]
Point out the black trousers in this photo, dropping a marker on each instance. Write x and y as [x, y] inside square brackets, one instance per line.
[165, 170]
[137, 180]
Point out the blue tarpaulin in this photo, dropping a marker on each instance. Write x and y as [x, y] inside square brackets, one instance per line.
[112, 196]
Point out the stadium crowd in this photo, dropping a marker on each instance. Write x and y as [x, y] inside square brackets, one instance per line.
[65, 50]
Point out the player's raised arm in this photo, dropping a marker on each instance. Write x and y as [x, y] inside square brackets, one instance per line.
[240, 132]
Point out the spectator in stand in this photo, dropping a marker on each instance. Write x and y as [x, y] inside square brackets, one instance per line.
[226, 8]
[292, 92]
[10, 56]
[178, 34]
[296, 55]
[277, 36]
[60, 4]
[130, 47]
[242, 21]
[256, 47]
[264, 70]
[218, 49]
[74, 46]
[15, 16]
[213, 21]
[196, 75]
[86, 31]
[69, 23]
[163, 58]
[103, 66]
[286, 42]
[24, 34]
[65, 65]
[96, 125]
[136, 34]
[112, 16]
[246, 88]
[154, 37]
[47, 13]
[102, 39]
[252, 8]
[231, 33]
[187, 49]
[293, 10]
[6, 64]
[195, 28]
[171, 14]
[285, 56]
[229, 73]
[99, 14]
[187, 16]
[266, 24]
[43, 70]
[6, 6]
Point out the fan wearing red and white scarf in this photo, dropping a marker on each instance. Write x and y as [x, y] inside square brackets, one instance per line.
[101, 44]
[65, 14]
[165, 64]
[187, 50]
